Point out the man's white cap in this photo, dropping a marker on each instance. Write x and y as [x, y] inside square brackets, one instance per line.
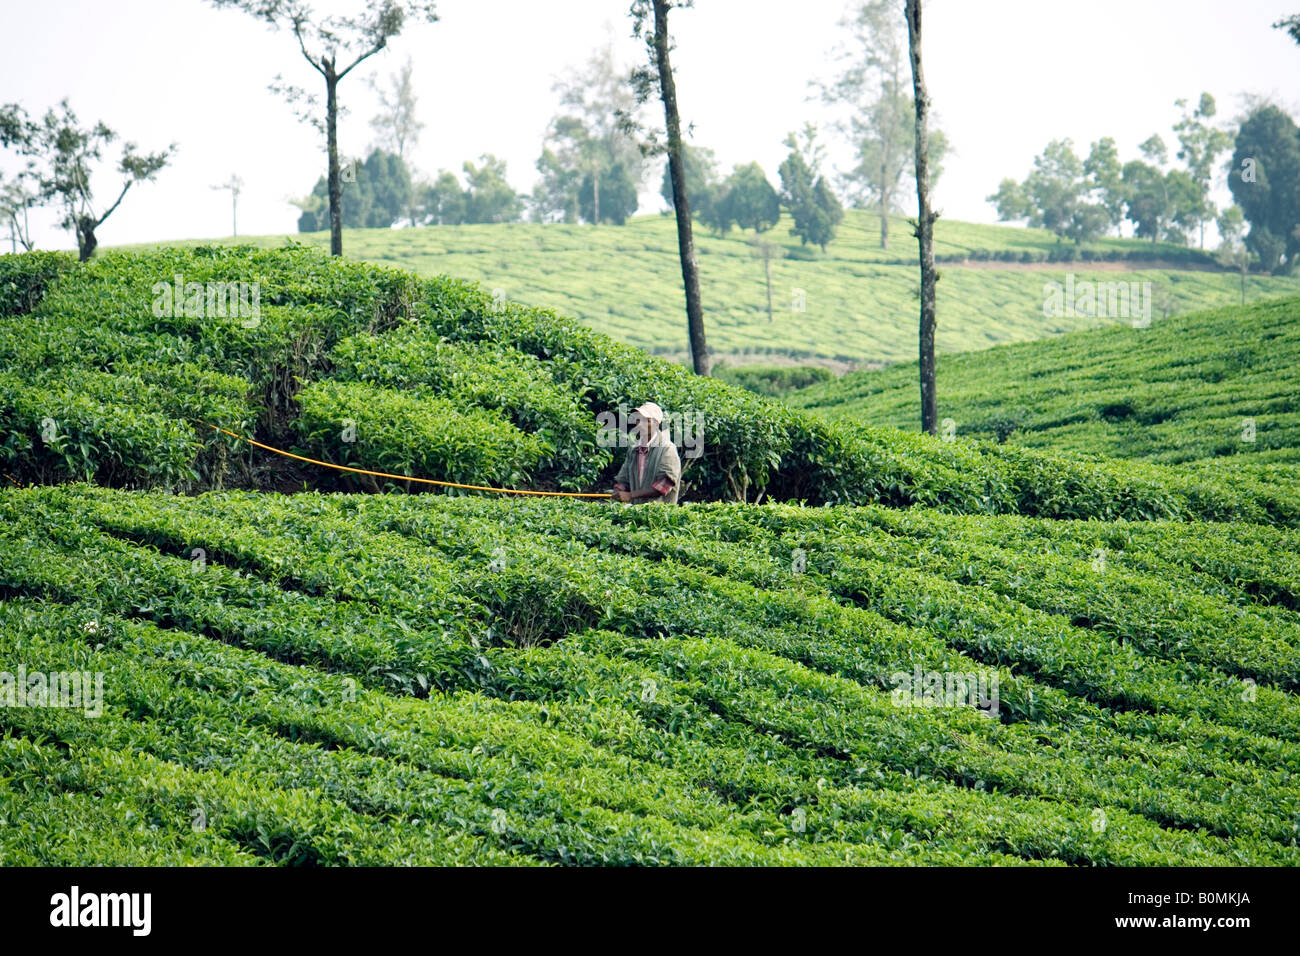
[651, 410]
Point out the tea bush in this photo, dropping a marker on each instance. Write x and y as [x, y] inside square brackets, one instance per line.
[396, 679]
[414, 432]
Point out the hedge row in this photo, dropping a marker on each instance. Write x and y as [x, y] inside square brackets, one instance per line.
[25, 277]
[414, 432]
[480, 375]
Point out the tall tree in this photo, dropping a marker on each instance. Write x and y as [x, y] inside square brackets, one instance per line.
[701, 178]
[64, 154]
[766, 250]
[396, 124]
[1104, 181]
[1265, 182]
[1056, 195]
[925, 218]
[555, 195]
[327, 43]
[1161, 205]
[593, 143]
[650, 23]
[872, 88]
[1232, 252]
[617, 196]
[488, 196]
[1200, 144]
[386, 183]
[17, 198]
[752, 201]
[812, 203]
[442, 202]
[379, 197]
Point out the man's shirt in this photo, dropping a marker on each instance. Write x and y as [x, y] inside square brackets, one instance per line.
[656, 466]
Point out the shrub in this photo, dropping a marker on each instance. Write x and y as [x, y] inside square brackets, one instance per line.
[483, 375]
[774, 380]
[415, 433]
[88, 426]
[25, 277]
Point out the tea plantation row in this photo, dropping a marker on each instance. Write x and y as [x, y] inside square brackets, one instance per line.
[389, 679]
[1216, 386]
[858, 301]
[108, 379]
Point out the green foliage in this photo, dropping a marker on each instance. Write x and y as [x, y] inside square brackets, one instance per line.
[376, 195]
[512, 396]
[57, 427]
[1057, 195]
[24, 279]
[414, 432]
[748, 200]
[774, 380]
[1264, 174]
[488, 196]
[701, 179]
[813, 206]
[477, 374]
[391, 680]
[618, 199]
[859, 303]
[63, 155]
[1080, 200]
[1161, 204]
[1215, 385]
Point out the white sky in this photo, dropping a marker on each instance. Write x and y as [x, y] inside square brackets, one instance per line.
[1005, 77]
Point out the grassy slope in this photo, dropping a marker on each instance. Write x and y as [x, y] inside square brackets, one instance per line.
[363, 365]
[626, 282]
[392, 679]
[1176, 392]
[419, 679]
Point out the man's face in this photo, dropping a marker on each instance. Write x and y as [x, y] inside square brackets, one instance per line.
[642, 426]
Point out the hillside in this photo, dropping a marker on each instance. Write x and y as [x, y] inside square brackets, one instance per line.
[377, 368]
[1217, 387]
[625, 281]
[421, 679]
[969, 653]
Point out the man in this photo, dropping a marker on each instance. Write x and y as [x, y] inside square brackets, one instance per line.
[652, 471]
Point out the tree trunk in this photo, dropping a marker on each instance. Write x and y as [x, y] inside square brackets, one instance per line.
[595, 195]
[332, 136]
[924, 223]
[681, 205]
[86, 241]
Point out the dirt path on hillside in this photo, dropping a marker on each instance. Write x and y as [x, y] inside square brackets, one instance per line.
[1079, 265]
[739, 359]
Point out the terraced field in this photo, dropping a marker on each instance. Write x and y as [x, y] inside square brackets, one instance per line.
[859, 301]
[854, 645]
[392, 679]
[1217, 387]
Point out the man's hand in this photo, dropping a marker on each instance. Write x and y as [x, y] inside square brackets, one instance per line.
[623, 496]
